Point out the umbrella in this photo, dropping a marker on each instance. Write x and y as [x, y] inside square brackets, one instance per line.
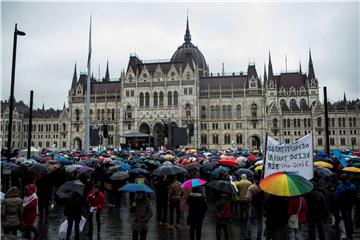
[323, 172]
[138, 170]
[223, 186]
[259, 168]
[228, 162]
[192, 166]
[135, 187]
[260, 162]
[206, 167]
[245, 171]
[351, 169]
[168, 170]
[37, 169]
[191, 183]
[69, 188]
[220, 170]
[121, 175]
[251, 158]
[323, 164]
[286, 184]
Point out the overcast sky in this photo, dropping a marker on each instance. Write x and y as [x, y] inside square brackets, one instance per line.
[230, 33]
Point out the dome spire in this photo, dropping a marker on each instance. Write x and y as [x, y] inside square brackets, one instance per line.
[187, 36]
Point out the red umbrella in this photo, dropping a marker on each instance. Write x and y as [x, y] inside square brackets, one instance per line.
[251, 158]
[228, 162]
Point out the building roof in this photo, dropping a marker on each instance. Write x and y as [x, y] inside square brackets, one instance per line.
[223, 82]
[105, 87]
[288, 80]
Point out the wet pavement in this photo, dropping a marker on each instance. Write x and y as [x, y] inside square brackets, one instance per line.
[116, 224]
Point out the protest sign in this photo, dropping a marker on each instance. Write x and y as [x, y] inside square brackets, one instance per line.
[295, 157]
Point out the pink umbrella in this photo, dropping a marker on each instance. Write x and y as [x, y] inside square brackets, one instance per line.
[191, 183]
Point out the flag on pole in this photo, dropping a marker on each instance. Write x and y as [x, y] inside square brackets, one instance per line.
[89, 54]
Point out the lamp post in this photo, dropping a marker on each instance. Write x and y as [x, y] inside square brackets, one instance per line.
[11, 100]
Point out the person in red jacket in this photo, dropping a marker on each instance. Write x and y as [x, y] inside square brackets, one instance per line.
[96, 200]
[298, 206]
[30, 204]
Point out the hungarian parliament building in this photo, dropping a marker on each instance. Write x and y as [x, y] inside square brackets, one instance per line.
[151, 99]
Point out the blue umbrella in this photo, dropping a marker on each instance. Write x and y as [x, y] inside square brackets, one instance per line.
[126, 166]
[135, 187]
[220, 170]
[62, 160]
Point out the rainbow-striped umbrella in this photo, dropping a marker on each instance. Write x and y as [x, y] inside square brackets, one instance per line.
[191, 183]
[286, 184]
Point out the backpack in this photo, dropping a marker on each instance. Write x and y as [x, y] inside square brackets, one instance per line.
[224, 212]
[258, 199]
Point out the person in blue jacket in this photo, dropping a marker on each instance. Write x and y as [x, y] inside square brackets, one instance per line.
[345, 195]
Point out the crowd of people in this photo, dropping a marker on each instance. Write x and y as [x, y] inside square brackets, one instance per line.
[335, 194]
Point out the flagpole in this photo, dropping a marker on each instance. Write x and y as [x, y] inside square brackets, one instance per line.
[87, 100]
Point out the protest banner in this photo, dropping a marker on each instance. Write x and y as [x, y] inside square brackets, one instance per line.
[295, 157]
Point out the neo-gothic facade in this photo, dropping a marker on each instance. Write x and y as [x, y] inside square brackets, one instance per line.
[217, 110]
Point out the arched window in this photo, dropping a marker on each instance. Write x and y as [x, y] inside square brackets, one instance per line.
[318, 120]
[77, 114]
[102, 114]
[284, 122]
[275, 122]
[342, 141]
[215, 139]
[227, 139]
[64, 127]
[238, 111]
[176, 96]
[354, 121]
[203, 139]
[217, 112]
[298, 122]
[229, 115]
[128, 112]
[224, 112]
[339, 122]
[147, 99]
[112, 114]
[350, 122]
[141, 99]
[343, 122]
[238, 138]
[188, 110]
[155, 99]
[169, 98]
[161, 99]
[320, 142]
[288, 123]
[253, 110]
[212, 112]
[203, 112]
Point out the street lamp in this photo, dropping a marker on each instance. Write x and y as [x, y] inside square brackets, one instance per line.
[11, 100]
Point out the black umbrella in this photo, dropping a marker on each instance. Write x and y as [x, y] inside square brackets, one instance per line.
[192, 166]
[168, 170]
[223, 186]
[245, 171]
[121, 175]
[138, 170]
[37, 169]
[68, 189]
[323, 172]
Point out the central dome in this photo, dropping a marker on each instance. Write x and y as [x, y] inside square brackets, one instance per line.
[188, 52]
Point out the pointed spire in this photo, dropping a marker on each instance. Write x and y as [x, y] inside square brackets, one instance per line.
[64, 107]
[311, 73]
[74, 80]
[344, 100]
[107, 75]
[270, 71]
[187, 36]
[43, 107]
[300, 71]
[265, 76]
